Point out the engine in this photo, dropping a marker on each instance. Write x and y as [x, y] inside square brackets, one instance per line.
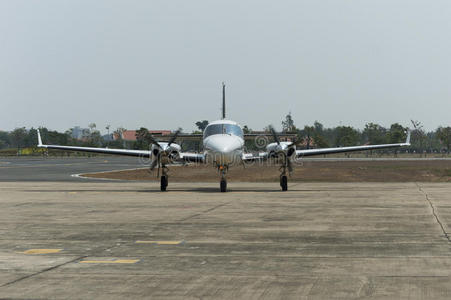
[167, 153]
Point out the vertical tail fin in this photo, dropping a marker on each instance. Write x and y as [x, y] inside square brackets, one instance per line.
[223, 101]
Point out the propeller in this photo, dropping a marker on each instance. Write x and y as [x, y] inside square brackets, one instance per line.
[157, 162]
[274, 134]
[277, 140]
[290, 151]
[154, 141]
[174, 136]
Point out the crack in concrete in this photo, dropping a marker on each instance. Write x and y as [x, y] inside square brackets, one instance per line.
[204, 212]
[434, 212]
[43, 271]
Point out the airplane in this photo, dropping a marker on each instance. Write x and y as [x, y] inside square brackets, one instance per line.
[223, 143]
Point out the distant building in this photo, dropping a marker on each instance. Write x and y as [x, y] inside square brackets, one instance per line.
[108, 137]
[130, 135]
[80, 133]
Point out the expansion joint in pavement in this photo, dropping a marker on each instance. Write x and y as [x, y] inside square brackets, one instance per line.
[43, 271]
[434, 212]
[204, 212]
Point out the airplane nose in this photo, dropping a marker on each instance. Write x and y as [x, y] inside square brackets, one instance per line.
[224, 144]
[224, 148]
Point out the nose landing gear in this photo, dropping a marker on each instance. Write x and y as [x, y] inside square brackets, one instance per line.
[164, 178]
[284, 182]
[283, 177]
[223, 183]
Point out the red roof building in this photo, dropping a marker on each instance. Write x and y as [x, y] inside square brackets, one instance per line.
[130, 135]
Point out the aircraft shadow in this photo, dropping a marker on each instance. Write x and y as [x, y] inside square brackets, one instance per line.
[194, 190]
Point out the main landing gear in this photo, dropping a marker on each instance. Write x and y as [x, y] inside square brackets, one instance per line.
[164, 178]
[223, 183]
[284, 182]
[283, 178]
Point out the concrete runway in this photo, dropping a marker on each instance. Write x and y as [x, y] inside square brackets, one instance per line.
[60, 169]
[113, 240]
[63, 237]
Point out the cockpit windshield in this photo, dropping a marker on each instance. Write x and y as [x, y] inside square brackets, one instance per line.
[223, 129]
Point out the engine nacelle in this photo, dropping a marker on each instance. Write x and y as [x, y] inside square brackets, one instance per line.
[174, 155]
[167, 152]
[275, 149]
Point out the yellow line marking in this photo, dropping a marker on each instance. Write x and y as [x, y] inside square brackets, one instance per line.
[41, 251]
[117, 261]
[160, 242]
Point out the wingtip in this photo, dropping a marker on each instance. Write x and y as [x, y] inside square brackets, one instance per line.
[408, 137]
[39, 139]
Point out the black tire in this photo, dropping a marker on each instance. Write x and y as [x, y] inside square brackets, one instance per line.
[284, 183]
[223, 186]
[163, 183]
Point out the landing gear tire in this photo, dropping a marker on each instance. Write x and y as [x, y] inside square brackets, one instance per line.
[163, 183]
[284, 182]
[223, 186]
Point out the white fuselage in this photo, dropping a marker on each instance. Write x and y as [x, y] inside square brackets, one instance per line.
[223, 143]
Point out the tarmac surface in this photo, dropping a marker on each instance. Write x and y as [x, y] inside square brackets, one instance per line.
[76, 238]
[61, 169]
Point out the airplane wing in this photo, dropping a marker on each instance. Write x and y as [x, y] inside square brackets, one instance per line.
[311, 152]
[192, 157]
[139, 153]
[249, 157]
[185, 156]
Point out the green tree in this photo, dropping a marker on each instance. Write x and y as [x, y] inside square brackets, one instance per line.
[5, 141]
[142, 138]
[320, 141]
[31, 139]
[396, 134]
[444, 135]
[346, 136]
[246, 129]
[319, 128]
[95, 139]
[375, 133]
[419, 138]
[319, 135]
[53, 137]
[18, 137]
[288, 124]
[308, 133]
[202, 125]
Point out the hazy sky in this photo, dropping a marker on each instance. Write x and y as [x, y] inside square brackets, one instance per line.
[160, 64]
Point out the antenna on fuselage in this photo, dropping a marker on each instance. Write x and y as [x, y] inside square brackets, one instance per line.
[223, 101]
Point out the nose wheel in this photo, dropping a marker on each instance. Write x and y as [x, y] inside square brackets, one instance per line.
[283, 178]
[163, 183]
[164, 179]
[284, 182]
[223, 182]
[223, 185]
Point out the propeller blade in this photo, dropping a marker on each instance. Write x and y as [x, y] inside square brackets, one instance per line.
[154, 141]
[159, 165]
[153, 164]
[174, 136]
[289, 165]
[274, 135]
